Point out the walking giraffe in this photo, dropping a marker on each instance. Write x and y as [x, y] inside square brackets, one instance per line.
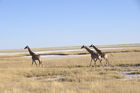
[94, 56]
[103, 55]
[34, 56]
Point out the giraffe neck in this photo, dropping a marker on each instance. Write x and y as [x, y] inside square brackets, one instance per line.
[31, 53]
[90, 51]
[97, 50]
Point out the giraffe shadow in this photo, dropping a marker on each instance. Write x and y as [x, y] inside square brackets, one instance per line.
[78, 66]
[86, 66]
[74, 66]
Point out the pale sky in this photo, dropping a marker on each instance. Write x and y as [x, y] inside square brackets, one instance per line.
[51, 23]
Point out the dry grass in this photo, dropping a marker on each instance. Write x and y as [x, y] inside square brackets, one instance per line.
[69, 75]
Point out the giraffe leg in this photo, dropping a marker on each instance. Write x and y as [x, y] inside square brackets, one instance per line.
[100, 59]
[106, 59]
[95, 62]
[107, 62]
[101, 62]
[90, 62]
[40, 63]
[35, 63]
[32, 62]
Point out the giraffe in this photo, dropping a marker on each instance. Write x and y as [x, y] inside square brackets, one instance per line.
[34, 56]
[94, 56]
[100, 53]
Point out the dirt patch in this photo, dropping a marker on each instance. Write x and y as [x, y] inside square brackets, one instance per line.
[129, 65]
[55, 78]
[52, 78]
[129, 75]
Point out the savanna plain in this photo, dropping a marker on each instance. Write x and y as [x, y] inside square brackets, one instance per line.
[71, 74]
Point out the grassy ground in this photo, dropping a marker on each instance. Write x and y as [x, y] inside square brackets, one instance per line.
[70, 75]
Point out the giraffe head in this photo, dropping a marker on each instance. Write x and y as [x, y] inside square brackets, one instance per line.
[26, 47]
[91, 45]
[82, 46]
